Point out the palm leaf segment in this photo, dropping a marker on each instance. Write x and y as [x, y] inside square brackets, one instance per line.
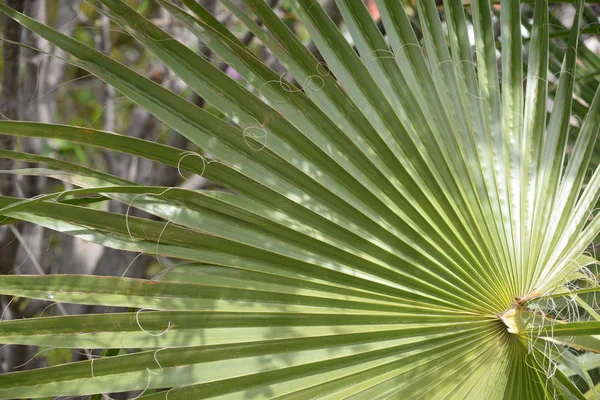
[397, 209]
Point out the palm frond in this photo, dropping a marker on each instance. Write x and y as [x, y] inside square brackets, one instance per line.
[401, 221]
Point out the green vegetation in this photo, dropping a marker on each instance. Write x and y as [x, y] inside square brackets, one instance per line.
[399, 222]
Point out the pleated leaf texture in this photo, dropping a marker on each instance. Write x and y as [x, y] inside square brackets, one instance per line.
[401, 222]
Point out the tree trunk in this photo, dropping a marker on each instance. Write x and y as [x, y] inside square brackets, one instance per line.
[9, 109]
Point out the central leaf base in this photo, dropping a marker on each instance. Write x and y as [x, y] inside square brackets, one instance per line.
[514, 319]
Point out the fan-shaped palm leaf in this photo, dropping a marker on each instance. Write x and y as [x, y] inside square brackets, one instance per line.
[402, 220]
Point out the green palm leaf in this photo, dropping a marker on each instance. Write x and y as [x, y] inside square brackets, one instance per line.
[404, 223]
